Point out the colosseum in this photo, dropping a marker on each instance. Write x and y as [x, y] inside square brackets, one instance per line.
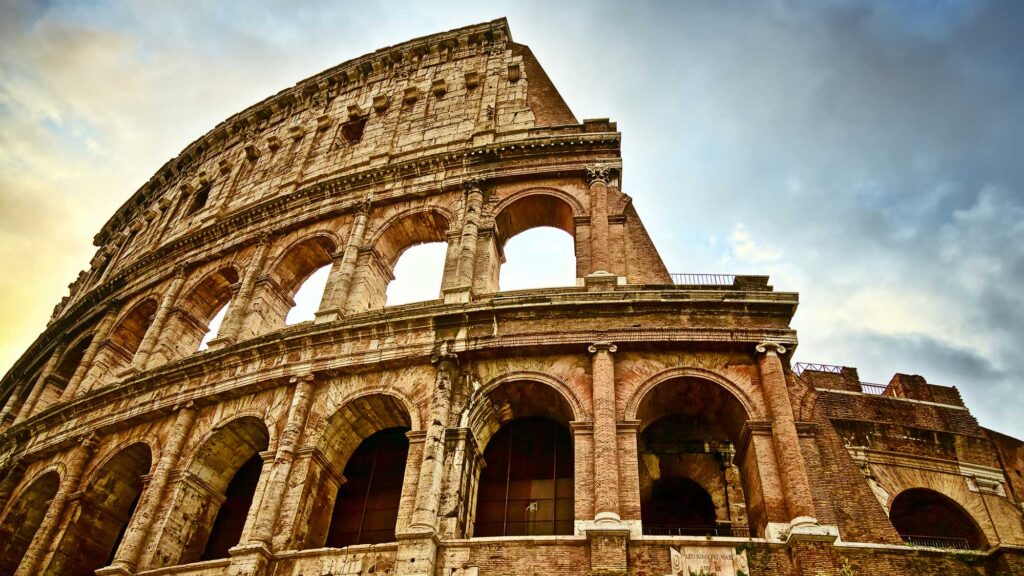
[637, 422]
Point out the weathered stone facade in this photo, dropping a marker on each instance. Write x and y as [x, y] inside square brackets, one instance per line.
[626, 425]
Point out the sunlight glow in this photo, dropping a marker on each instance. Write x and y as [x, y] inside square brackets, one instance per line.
[307, 299]
[418, 274]
[541, 257]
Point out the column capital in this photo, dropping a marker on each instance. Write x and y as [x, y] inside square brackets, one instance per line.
[600, 174]
[444, 358]
[602, 346]
[475, 184]
[363, 206]
[307, 377]
[180, 270]
[264, 238]
[771, 347]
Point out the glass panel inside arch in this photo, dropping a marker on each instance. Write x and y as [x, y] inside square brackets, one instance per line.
[526, 489]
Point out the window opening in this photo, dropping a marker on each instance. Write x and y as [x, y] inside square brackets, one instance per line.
[198, 200]
[353, 129]
[307, 298]
[215, 323]
[526, 489]
[366, 507]
[541, 257]
[418, 274]
[926, 518]
[227, 528]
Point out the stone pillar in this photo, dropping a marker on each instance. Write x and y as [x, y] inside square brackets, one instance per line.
[606, 461]
[466, 263]
[270, 506]
[339, 282]
[37, 390]
[599, 177]
[69, 484]
[9, 410]
[239, 310]
[159, 320]
[138, 532]
[792, 470]
[98, 337]
[12, 472]
[418, 543]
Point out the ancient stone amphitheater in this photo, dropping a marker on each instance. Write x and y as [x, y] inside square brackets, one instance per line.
[636, 422]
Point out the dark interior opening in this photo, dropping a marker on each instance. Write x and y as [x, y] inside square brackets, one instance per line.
[925, 517]
[679, 505]
[198, 200]
[366, 508]
[353, 129]
[227, 528]
[527, 486]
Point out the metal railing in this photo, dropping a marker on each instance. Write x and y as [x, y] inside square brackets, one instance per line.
[703, 279]
[669, 530]
[871, 388]
[937, 542]
[799, 368]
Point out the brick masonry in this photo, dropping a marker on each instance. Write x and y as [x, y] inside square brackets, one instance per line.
[119, 441]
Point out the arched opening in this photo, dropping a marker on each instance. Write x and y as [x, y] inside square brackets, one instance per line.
[925, 517]
[296, 285]
[417, 274]
[366, 506]
[118, 350]
[358, 482]
[212, 500]
[22, 520]
[54, 385]
[691, 482]
[197, 201]
[376, 268]
[527, 486]
[535, 254]
[197, 318]
[107, 504]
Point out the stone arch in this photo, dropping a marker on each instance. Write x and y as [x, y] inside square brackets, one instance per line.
[118, 351]
[376, 262]
[190, 321]
[207, 514]
[289, 271]
[519, 420]
[359, 419]
[102, 513]
[565, 392]
[54, 385]
[633, 404]
[23, 517]
[927, 517]
[535, 207]
[695, 424]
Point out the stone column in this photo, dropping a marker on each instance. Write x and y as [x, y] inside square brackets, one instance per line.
[10, 407]
[599, 177]
[606, 458]
[239, 309]
[156, 327]
[69, 484]
[465, 265]
[270, 506]
[339, 282]
[98, 337]
[418, 542]
[37, 390]
[138, 532]
[792, 470]
[428, 492]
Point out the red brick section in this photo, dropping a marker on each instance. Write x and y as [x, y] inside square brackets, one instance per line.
[787, 444]
[606, 465]
[1011, 459]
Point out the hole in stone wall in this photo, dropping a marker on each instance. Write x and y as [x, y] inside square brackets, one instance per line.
[214, 328]
[198, 200]
[418, 273]
[308, 296]
[540, 257]
[353, 129]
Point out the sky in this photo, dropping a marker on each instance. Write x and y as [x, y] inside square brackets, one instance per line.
[865, 154]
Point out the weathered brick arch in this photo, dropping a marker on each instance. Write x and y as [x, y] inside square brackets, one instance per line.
[24, 514]
[190, 319]
[107, 502]
[520, 395]
[928, 513]
[753, 409]
[118, 350]
[536, 207]
[200, 490]
[337, 436]
[387, 242]
[677, 392]
[286, 274]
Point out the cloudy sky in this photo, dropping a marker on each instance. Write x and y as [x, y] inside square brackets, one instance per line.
[869, 155]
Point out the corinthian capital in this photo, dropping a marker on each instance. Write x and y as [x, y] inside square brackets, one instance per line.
[601, 173]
